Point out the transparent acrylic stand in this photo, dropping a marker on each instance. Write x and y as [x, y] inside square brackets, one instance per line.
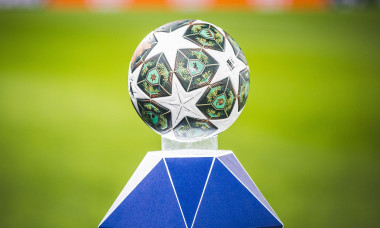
[205, 144]
[190, 185]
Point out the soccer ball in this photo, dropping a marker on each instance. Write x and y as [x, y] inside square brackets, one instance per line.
[188, 80]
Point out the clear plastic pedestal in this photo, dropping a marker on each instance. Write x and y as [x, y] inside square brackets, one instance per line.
[205, 144]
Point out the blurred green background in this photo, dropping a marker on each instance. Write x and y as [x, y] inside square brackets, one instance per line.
[70, 138]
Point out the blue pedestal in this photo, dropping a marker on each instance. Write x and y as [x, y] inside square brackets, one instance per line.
[190, 188]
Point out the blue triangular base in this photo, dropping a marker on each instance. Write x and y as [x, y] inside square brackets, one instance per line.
[189, 178]
[231, 163]
[191, 189]
[227, 203]
[151, 204]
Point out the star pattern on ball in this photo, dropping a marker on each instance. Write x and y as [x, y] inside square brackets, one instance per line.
[195, 72]
[183, 103]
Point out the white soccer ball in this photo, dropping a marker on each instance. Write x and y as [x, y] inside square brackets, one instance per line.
[188, 80]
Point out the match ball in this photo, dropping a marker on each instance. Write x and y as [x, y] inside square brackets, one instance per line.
[188, 80]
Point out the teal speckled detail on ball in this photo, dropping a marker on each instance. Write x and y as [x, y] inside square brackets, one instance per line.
[244, 81]
[194, 128]
[172, 26]
[206, 36]
[194, 68]
[155, 77]
[155, 115]
[218, 100]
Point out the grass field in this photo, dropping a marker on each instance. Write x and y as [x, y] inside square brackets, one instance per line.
[70, 138]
